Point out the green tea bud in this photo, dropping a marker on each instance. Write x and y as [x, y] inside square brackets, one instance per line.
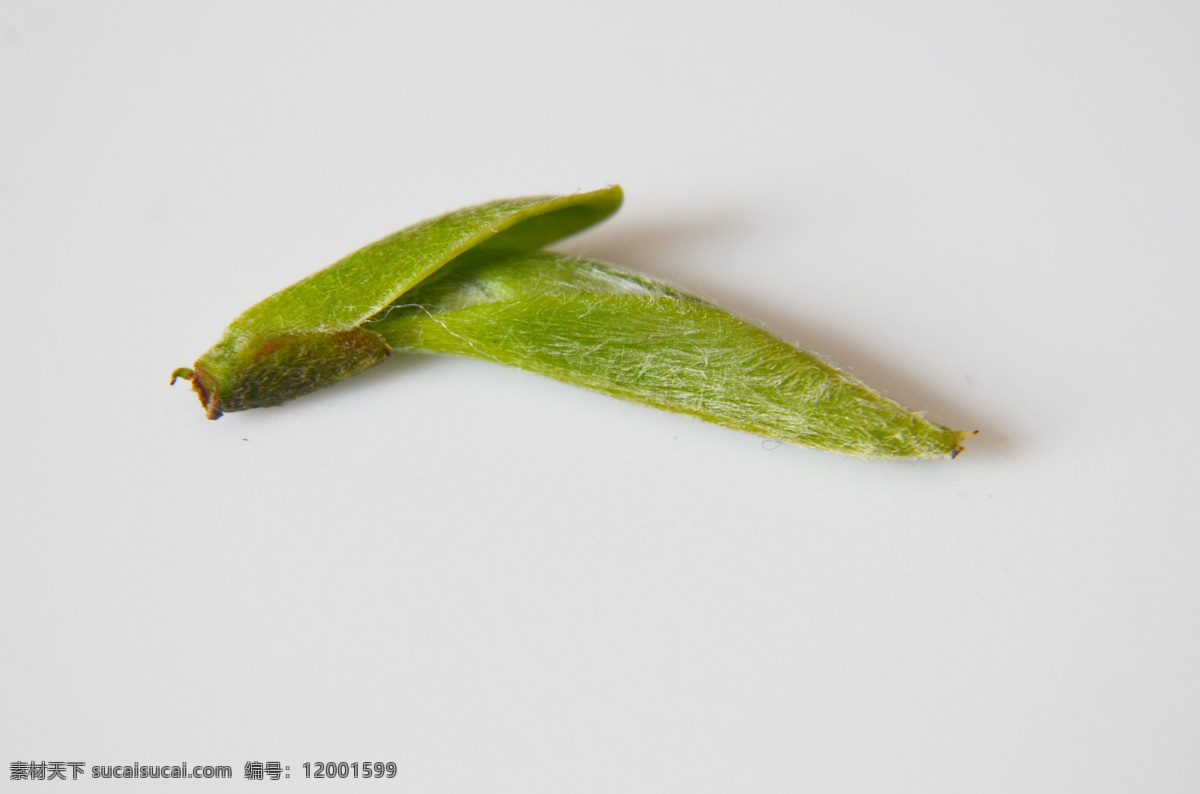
[474, 283]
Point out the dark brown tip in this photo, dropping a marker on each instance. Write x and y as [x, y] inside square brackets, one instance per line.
[208, 395]
[961, 435]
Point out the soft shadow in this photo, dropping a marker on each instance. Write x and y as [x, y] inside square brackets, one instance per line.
[398, 363]
[662, 248]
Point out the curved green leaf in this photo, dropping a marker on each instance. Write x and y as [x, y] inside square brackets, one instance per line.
[362, 284]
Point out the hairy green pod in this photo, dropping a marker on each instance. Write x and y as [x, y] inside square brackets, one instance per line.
[475, 283]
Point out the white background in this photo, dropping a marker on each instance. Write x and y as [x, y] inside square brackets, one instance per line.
[987, 210]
